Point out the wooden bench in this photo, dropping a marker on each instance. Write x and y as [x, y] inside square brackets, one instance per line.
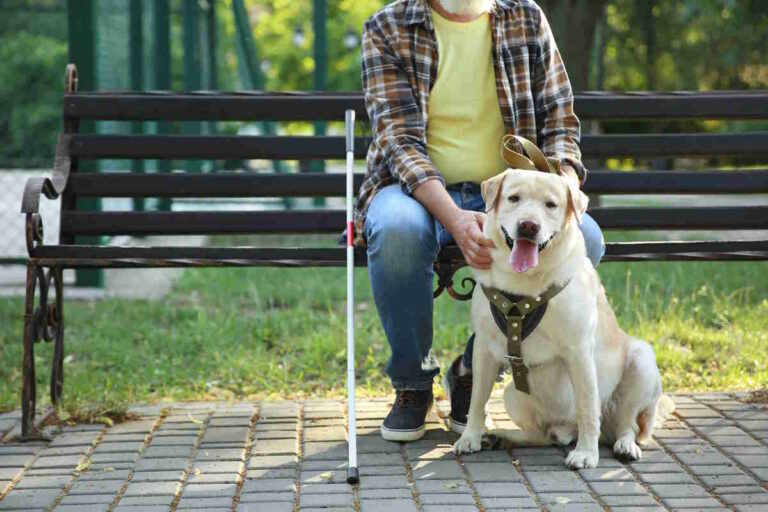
[44, 315]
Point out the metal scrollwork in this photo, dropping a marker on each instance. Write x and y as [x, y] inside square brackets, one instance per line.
[445, 272]
[34, 231]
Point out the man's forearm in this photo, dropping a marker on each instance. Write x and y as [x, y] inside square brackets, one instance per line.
[437, 201]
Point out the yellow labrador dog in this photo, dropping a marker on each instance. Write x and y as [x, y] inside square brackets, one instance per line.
[588, 379]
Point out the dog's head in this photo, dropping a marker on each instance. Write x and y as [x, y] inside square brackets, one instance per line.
[526, 211]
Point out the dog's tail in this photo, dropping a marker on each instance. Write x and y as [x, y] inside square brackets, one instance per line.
[664, 409]
[653, 418]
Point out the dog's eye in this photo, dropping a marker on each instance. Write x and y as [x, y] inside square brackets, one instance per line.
[551, 205]
[514, 199]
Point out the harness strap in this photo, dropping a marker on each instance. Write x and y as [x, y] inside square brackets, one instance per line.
[515, 313]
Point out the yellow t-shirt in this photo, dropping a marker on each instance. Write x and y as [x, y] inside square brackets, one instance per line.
[465, 127]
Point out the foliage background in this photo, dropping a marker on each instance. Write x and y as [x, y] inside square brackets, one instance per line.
[608, 45]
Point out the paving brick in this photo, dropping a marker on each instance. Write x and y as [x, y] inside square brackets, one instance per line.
[218, 466]
[156, 476]
[282, 506]
[326, 500]
[715, 469]
[617, 488]
[96, 487]
[555, 481]
[402, 493]
[35, 498]
[266, 497]
[443, 486]
[436, 470]
[43, 482]
[635, 500]
[168, 464]
[564, 498]
[269, 485]
[278, 473]
[326, 450]
[195, 502]
[447, 499]
[693, 503]
[387, 506]
[209, 490]
[734, 479]
[274, 447]
[501, 490]
[151, 488]
[605, 474]
[325, 488]
[94, 507]
[575, 507]
[449, 508]
[272, 461]
[678, 477]
[665, 491]
[87, 499]
[494, 503]
[492, 472]
[132, 501]
[746, 498]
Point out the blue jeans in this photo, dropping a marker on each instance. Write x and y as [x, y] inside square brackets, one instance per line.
[403, 242]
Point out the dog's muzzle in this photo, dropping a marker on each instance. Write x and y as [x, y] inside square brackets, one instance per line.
[511, 241]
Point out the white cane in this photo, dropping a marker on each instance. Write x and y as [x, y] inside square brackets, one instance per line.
[353, 475]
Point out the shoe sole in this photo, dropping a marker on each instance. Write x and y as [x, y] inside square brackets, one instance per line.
[403, 435]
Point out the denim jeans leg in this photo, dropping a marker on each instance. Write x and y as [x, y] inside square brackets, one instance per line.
[595, 243]
[402, 247]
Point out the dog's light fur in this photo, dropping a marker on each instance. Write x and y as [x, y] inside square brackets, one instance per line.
[467, 7]
[589, 380]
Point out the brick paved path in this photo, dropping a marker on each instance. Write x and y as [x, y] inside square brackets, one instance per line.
[289, 456]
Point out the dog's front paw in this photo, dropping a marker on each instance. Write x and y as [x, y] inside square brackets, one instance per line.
[469, 442]
[626, 448]
[581, 459]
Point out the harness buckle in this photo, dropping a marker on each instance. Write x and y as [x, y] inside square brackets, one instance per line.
[515, 360]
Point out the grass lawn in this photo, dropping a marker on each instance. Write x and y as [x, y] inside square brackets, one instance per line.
[256, 333]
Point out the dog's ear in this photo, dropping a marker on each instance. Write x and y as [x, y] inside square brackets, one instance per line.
[577, 200]
[490, 189]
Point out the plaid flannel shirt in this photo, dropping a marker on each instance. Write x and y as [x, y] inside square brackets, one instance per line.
[399, 67]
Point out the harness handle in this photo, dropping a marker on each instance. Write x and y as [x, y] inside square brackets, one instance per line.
[532, 160]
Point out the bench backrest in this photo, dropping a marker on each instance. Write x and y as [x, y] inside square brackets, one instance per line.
[177, 107]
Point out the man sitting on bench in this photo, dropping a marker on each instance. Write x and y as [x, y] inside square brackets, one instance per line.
[444, 80]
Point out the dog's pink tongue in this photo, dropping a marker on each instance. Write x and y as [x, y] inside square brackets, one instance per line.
[524, 255]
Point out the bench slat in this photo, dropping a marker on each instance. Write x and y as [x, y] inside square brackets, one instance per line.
[164, 147]
[236, 256]
[332, 221]
[257, 106]
[232, 184]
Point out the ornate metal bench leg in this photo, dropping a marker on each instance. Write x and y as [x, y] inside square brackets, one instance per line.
[56, 323]
[28, 380]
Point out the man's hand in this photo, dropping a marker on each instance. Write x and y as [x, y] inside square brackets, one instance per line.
[465, 226]
[467, 230]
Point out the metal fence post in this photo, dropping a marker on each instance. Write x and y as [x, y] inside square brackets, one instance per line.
[136, 25]
[162, 72]
[82, 52]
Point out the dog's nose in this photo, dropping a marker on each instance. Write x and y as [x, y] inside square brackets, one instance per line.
[527, 229]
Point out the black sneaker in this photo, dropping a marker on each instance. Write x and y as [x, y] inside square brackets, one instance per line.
[405, 422]
[459, 391]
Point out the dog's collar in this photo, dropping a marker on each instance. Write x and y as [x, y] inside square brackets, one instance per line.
[518, 316]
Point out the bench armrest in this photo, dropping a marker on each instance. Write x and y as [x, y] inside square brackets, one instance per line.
[50, 187]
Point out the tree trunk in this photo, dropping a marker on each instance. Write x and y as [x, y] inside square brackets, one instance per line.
[573, 23]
